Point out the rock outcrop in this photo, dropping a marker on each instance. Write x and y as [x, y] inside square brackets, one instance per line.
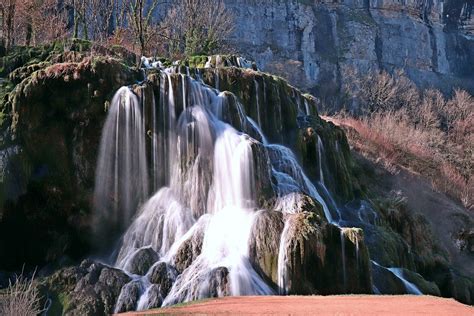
[311, 43]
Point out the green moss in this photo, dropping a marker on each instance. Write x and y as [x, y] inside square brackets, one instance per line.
[426, 287]
[59, 303]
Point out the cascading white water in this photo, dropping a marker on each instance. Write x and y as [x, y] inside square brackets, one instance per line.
[289, 172]
[208, 184]
[320, 160]
[410, 287]
[283, 261]
[121, 174]
[343, 257]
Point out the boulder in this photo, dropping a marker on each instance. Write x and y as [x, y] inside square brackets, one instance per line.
[141, 261]
[128, 299]
[190, 249]
[322, 258]
[155, 299]
[89, 289]
[164, 276]
[219, 282]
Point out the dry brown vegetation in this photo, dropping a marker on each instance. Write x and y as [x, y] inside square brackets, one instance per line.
[419, 130]
[31, 22]
[197, 27]
[22, 298]
[147, 27]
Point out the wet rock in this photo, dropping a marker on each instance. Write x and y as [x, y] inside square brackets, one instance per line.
[265, 243]
[163, 275]
[386, 282]
[155, 299]
[262, 169]
[128, 299]
[190, 249]
[426, 287]
[296, 202]
[141, 261]
[89, 289]
[388, 248]
[464, 240]
[323, 259]
[219, 282]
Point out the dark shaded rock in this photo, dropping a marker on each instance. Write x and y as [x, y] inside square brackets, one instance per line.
[386, 282]
[46, 207]
[464, 239]
[163, 275]
[141, 261]
[426, 287]
[89, 289]
[128, 299]
[388, 248]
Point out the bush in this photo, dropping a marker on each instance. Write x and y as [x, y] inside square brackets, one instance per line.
[22, 298]
[414, 129]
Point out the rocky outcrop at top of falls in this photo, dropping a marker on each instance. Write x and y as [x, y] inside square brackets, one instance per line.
[202, 181]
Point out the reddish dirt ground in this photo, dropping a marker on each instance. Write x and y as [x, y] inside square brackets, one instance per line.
[321, 305]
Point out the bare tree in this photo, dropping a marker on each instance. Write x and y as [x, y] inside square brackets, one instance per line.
[7, 11]
[141, 18]
[197, 27]
[381, 91]
[39, 21]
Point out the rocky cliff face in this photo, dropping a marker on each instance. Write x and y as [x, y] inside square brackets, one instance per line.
[311, 43]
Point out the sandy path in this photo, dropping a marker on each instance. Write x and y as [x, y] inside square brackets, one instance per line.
[322, 305]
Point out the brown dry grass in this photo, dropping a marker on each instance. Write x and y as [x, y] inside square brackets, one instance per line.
[22, 298]
[422, 131]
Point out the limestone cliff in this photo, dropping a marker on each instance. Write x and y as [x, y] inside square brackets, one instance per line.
[311, 42]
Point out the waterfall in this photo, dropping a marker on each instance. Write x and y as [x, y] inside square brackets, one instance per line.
[410, 287]
[207, 162]
[320, 158]
[121, 174]
[343, 258]
[288, 168]
[398, 272]
[283, 261]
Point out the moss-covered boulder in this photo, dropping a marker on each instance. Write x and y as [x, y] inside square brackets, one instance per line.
[88, 289]
[325, 259]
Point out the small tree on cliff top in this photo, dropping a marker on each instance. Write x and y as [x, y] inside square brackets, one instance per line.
[195, 27]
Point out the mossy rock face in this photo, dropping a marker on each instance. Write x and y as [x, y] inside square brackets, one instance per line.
[385, 282]
[323, 259]
[52, 139]
[88, 289]
[388, 248]
[265, 243]
[426, 287]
